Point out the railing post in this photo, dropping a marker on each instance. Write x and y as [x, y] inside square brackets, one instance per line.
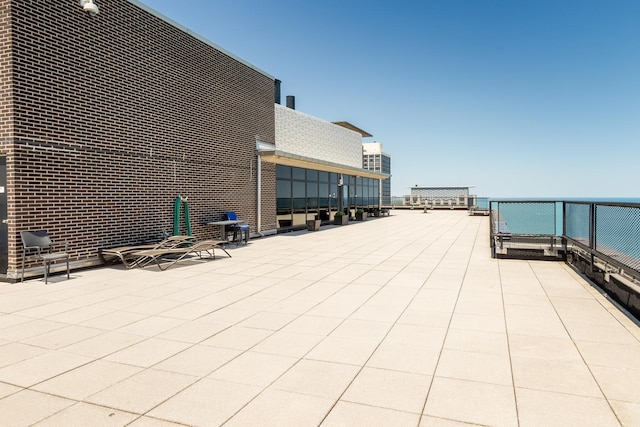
[592, 237]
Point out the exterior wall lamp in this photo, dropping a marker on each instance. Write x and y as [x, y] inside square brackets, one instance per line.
[90, 7]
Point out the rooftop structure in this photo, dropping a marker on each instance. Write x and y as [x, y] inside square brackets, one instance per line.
[441, 197]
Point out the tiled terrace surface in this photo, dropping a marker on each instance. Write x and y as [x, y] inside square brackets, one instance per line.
[399, 321]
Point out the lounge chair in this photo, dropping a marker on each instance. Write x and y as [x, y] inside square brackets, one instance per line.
[124, 253]
[176, 254]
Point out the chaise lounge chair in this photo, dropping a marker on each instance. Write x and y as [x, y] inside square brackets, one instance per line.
[176, 254]
[124, 253]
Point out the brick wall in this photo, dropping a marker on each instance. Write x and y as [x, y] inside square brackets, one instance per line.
[117, 114]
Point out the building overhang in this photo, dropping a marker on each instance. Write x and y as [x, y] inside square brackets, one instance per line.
[354, 128]
[289, 159]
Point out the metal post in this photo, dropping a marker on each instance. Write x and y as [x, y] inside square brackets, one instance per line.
[259, 198]
[340, 193]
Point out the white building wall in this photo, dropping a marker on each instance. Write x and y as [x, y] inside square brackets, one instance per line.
[304, 135]
[372, 148]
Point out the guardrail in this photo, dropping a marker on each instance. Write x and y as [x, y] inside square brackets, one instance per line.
[601, 239]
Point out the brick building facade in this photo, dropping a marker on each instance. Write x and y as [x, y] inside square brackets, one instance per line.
[106, 119]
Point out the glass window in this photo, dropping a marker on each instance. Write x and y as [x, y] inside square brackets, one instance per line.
[283, 172]
[312, 189]
[312, 175]
[323, 190]
[298, 189]
[323, 176]
[298, 173]
[283, 188]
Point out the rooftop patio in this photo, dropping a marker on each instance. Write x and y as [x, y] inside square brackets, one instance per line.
[398, 321]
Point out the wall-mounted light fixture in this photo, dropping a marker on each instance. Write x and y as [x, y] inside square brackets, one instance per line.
[90, 7]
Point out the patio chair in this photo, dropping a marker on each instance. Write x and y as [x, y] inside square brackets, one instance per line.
[240, 231]
[40, 242]
[176, 254]
[124, 253]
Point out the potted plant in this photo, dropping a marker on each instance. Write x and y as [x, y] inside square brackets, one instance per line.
[313, 224]
[361, 215]
[340, 218]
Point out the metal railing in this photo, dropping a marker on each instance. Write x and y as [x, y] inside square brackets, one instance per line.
[609, 231]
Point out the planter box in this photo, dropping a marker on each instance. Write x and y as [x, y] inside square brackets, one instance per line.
[313, 224]
[361, 216]
[341, 220]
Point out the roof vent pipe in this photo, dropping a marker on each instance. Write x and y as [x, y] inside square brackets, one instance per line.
[277, 84]
[291, 102]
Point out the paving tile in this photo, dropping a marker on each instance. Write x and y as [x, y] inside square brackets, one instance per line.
[427, 421]
[199, 360]
[254, 369]
[627, 413]
[153, 306]
[477, 341]
[612, 332]
[317, 378]
[16, 352]
[357, 328]
[143, 391]
[268, 320]
[79, 315]
[417, 359]
[7, 389]
[618, 383]
[113, 320]
[74, 385]
[99, 416]
[287, 344]
[8, 320]
[611, 355]
[104, 344]
[148, 352]
[535, 321]
[28, 407]
[151, 326]
[194, 331]
[152, 422]
[539, 408]
[46, 310]
[382, 388]
[313, 325]
[354, 351]
[472, 402]
[477, 322]
[561, 377]
[238, 337]
[25, 330]
[346, 414]
[416, 335]
[41, 367]
[62, 337]
[545, 348]
[281, 408]
[482, 367]
[207, 402]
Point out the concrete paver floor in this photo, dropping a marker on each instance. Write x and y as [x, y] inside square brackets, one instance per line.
[398, 321]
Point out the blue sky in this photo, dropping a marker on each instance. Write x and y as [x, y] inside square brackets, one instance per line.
[519, 98]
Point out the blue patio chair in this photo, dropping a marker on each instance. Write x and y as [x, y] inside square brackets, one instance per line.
[240, 231]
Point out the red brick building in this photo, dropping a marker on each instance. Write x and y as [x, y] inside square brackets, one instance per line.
[106, 119]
